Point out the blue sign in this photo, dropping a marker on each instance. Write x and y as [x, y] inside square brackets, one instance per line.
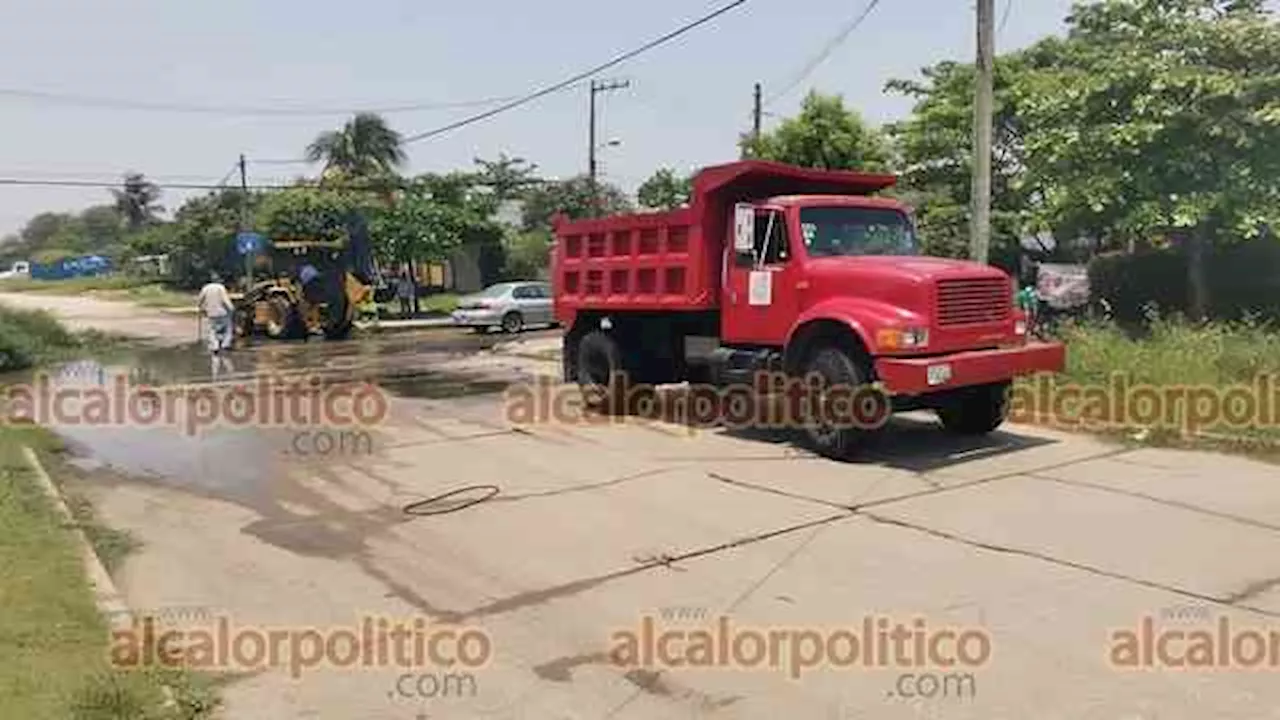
[248, 242]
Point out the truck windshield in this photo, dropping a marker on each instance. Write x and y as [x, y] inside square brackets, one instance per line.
[836, 231]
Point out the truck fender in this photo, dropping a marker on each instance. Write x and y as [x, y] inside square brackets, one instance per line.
[861, 316]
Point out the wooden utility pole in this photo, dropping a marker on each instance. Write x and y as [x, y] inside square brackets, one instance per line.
[757, 110]
[980, 214]
[244, 220]
[597, 87]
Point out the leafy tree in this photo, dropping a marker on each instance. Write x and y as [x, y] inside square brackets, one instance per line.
[824, 135]
[1160, 117]
[573, 197]
[527, 254]
[365, 147]
[201, 237]
[103, 224]
[138, 201]
[508, 177]
[664, 190]
[936, 147]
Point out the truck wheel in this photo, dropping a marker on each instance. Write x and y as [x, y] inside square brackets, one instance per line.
[602, 375]
[837, 438]
[977, 410]
[283, 322]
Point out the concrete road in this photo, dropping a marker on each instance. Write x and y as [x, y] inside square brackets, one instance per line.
[1021, 566]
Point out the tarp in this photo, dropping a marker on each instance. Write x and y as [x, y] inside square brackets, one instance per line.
[85, 266]
[1062, 286]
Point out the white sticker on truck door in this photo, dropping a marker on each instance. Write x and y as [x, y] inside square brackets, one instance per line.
[760, 287]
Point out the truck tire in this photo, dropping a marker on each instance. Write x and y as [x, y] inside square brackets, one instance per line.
[604, 376]
[836, 367]
[977, 410]
[285, 321]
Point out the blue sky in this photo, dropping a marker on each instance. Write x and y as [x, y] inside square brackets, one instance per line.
[687, 102]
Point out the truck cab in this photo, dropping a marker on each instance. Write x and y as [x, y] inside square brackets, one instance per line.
[794, 273]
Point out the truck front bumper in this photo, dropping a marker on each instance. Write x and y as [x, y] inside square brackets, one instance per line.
[916, 376]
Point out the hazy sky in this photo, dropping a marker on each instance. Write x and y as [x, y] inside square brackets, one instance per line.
[687, 102]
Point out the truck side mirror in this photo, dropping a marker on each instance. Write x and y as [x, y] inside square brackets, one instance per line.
[744, 227]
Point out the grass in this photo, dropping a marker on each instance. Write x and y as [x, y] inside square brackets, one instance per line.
[1193, 368]
[428, 305]
[141, 290]
[30, 337]
[53, 641]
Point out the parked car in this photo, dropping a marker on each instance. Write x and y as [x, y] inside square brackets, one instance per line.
[511, 306]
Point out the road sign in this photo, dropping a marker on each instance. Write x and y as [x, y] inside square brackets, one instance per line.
[248, 242]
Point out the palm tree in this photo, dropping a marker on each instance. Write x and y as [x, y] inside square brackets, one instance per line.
[364, 147]
[137, 201]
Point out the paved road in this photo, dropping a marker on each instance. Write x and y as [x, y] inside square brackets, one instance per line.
[1038, 544]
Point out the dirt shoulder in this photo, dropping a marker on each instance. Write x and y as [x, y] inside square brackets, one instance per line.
[111, 316]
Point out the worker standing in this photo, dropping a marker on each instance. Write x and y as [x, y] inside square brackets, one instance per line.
[215, 304]
[405, 291]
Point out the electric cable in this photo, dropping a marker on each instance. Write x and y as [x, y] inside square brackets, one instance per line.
[144, 105]
[823, 54]
[577, 78]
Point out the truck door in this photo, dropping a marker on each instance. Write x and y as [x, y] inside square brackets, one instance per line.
[759, 282]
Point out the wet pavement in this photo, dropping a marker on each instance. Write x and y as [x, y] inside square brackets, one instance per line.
[1044, 543]
[238, 463]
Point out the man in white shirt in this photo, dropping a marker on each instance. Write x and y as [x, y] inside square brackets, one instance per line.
[215, 304]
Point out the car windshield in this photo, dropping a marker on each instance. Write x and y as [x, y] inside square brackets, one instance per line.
[494, 291]
[838, 231]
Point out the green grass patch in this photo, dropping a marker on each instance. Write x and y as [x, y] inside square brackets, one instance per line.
[144, 291]
[53, 641]
[1178, 384]
[437, 304]
[75, 286]
[31, 337]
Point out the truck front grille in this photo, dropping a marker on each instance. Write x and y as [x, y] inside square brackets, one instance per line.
[974, 301]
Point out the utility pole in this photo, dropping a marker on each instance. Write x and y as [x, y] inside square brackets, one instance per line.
[757, 110]
[980, 223]
[244, 220]
[597, 87]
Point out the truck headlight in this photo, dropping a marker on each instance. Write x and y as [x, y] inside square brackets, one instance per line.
[909, 338]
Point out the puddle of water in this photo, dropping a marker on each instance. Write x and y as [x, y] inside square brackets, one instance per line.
[241, 464]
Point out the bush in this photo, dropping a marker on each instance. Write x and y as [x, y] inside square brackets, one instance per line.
[30, 336]
[1243, 280]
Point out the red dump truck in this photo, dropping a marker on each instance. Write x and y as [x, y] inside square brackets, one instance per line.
[794, 273]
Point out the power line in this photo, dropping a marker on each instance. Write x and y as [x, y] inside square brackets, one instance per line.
[232, 171]
[143, 105]
[355, 187]
[575, 79]
[1004, 16]
[826, 51]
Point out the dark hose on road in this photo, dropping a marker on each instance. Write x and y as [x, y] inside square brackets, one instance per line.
[424, 507]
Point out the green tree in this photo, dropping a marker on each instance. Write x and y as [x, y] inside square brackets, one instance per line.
[573, 197]
[935, 144]
[824, 135]
[138, 201]
[103, 224]
[509, 178]
[201, 237]
[365, 147]
[1160, 117]
[664, 190]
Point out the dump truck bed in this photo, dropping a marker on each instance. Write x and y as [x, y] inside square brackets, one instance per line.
[671, 260]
